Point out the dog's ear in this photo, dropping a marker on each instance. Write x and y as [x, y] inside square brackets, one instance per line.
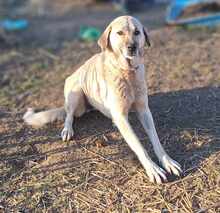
[146, 37]
[104, 41]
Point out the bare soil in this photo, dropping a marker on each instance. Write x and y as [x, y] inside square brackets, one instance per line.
[97, 172]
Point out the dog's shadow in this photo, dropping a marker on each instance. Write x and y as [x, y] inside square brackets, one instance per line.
[187, 122]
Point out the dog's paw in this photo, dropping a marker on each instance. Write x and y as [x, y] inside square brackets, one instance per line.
[156, 174]
[171, 165]
[67, 134]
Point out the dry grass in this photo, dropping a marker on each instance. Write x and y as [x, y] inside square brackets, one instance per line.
[97, 172]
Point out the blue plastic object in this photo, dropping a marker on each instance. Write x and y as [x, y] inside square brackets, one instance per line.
[178, 6]
[14, 25]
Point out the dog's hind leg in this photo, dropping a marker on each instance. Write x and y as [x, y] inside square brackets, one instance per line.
[74, 105]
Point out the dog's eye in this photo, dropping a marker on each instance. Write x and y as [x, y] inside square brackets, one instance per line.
[120, 33]
[136, 32]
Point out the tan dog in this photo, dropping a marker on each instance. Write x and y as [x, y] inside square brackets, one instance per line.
[113, 82]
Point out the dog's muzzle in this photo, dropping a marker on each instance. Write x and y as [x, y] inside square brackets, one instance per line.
[132, 50]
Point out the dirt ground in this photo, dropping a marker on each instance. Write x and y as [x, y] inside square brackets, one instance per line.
[97, 172]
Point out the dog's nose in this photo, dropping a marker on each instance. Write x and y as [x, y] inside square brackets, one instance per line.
[132, 48]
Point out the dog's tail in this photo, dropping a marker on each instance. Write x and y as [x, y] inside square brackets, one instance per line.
[41, 118]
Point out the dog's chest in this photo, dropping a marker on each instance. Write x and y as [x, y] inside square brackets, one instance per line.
[124, 86]
[128, 87]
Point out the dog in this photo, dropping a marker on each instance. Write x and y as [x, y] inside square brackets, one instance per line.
[113, 82]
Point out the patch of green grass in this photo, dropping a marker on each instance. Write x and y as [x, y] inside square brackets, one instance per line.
[31, 83]
[9, 93]
[4, 97]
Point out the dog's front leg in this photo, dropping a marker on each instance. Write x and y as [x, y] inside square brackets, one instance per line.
[145, 117]
[155, 173]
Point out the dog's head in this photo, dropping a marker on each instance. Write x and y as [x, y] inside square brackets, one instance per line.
[125, 37]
